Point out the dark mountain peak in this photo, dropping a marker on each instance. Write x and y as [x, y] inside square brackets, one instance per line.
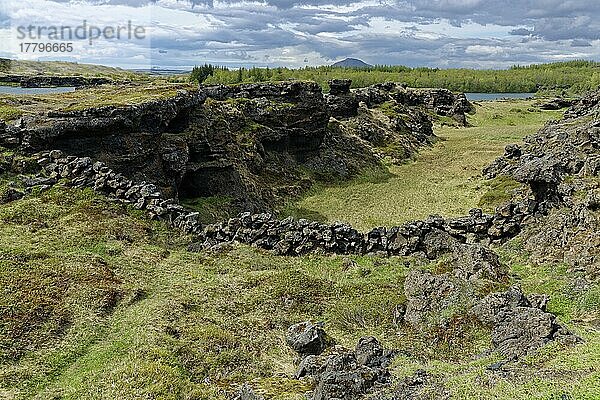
[352, 63]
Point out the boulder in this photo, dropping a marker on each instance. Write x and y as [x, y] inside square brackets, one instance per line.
[417, 386]
[339, 86]
[342, 378]
[369, 352]
[338, 373]
[556, 104]
[10, 195]
[518, 326]
[245, 392]
[306, 338]
[428, 295]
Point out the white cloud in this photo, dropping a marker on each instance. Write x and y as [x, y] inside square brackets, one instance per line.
[479, 33]
[484, 50]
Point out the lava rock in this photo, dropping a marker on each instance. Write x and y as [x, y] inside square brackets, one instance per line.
[518, 326]
[339, 86]
[10, 195]
[245, 392]
[306, 338]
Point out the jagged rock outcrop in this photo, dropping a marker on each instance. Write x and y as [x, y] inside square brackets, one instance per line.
[520, 325]
[341, 103]
[306, 338]
[340, 373]
[339, 86]
[128, 139]
[250, 143]
[418, 386]
[429, 295]
[9, 135]
[560, 166]
[556, 104]
[439, 101]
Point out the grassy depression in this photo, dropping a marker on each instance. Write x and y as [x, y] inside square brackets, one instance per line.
[98, 302]
[445, 179]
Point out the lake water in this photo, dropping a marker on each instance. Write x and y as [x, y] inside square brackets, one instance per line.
[20, 90]
[497, 96]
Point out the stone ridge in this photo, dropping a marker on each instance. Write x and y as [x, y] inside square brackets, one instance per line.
[287, 236]
[343, 102]
[560, 164]
[298, 237]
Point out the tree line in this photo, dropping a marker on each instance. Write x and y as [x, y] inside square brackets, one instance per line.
[572, 76]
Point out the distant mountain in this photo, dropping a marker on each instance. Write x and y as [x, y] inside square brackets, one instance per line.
[351, 63]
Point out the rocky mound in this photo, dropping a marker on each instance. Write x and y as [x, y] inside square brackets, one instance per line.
[338, 373]
[560, 165]
[255, 144]
[439, 101]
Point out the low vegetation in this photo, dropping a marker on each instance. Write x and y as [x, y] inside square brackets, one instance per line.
[63, 68]
[103, 303]
[99, 302]
[9, 112]
[571, 77]
[13, 106]
[445, 179]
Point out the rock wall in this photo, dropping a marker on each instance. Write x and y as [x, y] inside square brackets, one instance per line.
[298, 237]
[256, 144]
[431, 238]
[83, 172]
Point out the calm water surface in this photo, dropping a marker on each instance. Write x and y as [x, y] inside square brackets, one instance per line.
[497, 96]
[20, 90]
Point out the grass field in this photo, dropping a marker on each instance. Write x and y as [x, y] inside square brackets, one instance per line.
[14, 106]
[98, 302]
[445, 179]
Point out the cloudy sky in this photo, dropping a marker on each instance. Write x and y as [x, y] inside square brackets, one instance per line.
[436, 33]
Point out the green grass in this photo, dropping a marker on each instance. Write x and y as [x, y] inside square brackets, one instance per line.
[9, 112]
[13, 106]
[103, 301]
[445, 179]
[498, 191]
[118, 96]
[212, 209]
[114, 307]
[98, 302]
